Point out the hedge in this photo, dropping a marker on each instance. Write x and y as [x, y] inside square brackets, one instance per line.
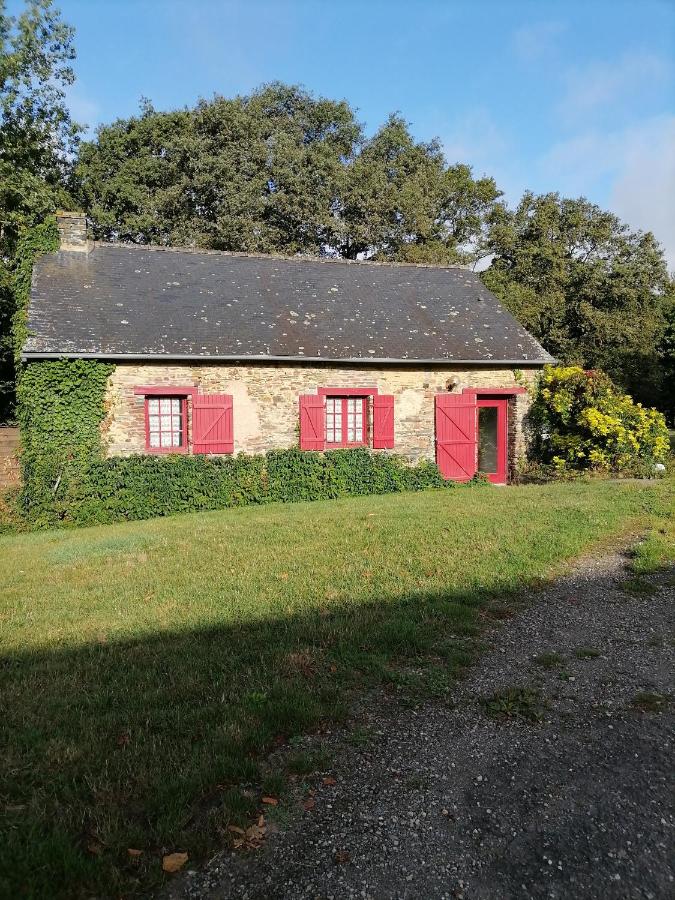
[139, 487]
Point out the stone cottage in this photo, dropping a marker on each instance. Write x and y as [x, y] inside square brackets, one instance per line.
[226, 353]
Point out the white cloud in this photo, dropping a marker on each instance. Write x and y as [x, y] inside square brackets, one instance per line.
[475, 139]
[535, 41]
[604, 86]
[644, 192]
[637, 164]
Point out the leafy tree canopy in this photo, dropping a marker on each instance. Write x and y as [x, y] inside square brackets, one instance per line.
[594, 292]
[280, 171]
[37, 139]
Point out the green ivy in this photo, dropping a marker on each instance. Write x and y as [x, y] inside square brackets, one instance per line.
[35, 241]
[138, 487]
[60, 405]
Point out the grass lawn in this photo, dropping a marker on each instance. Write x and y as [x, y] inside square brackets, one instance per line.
[146, 667]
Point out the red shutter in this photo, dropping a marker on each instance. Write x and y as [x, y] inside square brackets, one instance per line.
[383, 421]
[312, 422]
[212, 423]
[456, 435]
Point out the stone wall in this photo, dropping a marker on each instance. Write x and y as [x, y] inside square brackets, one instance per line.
[9, 462]
[265, 399]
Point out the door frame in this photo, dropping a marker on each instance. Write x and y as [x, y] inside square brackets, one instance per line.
[501, 403]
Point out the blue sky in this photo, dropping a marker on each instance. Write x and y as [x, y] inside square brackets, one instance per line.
[572, 96]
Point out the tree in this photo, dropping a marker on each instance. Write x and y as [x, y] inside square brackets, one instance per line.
[667, 353]
[280, 171]
[403, 202]
[594, 292]
[258, 173]
[37, 139]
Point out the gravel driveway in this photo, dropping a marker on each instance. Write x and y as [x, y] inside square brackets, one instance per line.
[567, 793]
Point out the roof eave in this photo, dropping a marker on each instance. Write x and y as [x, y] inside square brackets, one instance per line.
[26, 356]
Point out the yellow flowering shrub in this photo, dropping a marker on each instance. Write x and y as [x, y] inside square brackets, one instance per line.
[581, 421]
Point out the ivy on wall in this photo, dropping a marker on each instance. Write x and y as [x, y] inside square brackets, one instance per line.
[43, 238]
[60, 404]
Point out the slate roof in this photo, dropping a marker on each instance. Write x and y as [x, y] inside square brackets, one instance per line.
[121, 301]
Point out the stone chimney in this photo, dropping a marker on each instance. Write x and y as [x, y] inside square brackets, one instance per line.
[73, 231]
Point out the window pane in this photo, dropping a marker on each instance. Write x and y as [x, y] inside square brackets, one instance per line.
[165, 405]
[153, 422]
[165, 423]
[154, 439]
[153, 406]
[177, 439]
[175, 406]
[487, 439]
[166, 439]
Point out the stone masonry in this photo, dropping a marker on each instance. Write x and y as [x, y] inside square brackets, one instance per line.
[265, 399]
[72, 228]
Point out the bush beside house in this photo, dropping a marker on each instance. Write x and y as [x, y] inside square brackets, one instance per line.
[579, 421]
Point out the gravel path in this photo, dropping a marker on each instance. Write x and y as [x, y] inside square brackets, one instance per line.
[445, 800]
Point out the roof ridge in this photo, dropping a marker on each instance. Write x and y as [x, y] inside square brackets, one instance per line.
[298, 257]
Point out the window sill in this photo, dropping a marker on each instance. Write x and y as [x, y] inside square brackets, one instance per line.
[159, 451]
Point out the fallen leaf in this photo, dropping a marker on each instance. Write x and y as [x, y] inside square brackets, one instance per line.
[270, 801]
[174, 862]
[283, 576]
[309, 804]
[94, 848]
[123, 739]
[261, 821]
[342, 856]
[132, 852]
[329, 780]
[235, 830]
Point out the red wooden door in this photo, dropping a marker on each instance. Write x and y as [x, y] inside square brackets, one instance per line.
[456, 436]
[492, 434]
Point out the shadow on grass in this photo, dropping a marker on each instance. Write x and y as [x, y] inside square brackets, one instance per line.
[137, 744]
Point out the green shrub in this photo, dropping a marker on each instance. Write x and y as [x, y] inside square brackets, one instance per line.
[581, 422]
[139, 487]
